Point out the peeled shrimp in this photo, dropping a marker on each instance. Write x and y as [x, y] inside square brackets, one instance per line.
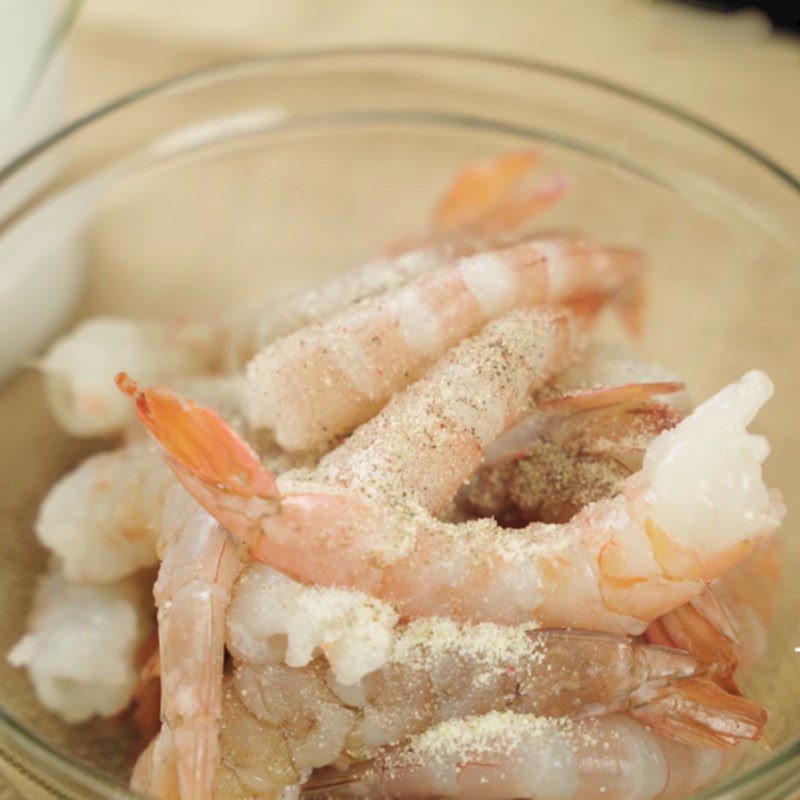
[565, 459]
[80, 646]
[79, 368]
[501, 756]
[570, 459]
[323, 380]
[492, 197]
[697, 507]
[726, 626]
[103, 518]
[198, 567]
[602, 377]
[440, 670]
[255, 758]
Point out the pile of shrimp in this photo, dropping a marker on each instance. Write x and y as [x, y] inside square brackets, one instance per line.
[418, 533]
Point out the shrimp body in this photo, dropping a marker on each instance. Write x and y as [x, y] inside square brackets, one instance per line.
[488, 199]
[581, 442]
[103, 518]
[603, 378]
[325, 379]
[79, 368]
[422, 446]
[255, 757]
[726, 626]
[504, 755]
[615, 566]
[567, 461]
[697, 508]
[199, 565]
[80, 646]
[438, 670]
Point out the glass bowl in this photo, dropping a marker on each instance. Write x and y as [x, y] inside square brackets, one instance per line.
[264, 176]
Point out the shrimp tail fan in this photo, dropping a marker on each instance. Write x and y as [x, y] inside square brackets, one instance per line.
[703, 628]
[700, 713]
[206, 454]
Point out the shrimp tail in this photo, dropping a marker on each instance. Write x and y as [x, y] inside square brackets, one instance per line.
[511, 213]
[629, 303]
[147, 692]
[589, 399]
[698, 712]
[218, 468]
[197, 745]
[331, 781]
[703, 628]
[155, 773]
[493, 197]
[478, 187]
[142, 776]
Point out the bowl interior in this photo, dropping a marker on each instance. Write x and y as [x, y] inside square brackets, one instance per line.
[249, 187]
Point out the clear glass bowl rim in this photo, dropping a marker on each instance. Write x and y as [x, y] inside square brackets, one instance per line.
[775, 776]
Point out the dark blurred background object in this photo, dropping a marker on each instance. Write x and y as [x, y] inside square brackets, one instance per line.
[784, 14]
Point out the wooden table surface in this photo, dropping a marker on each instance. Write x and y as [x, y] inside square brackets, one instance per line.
[727, 69]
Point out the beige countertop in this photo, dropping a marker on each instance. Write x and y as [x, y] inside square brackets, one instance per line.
[728, 70]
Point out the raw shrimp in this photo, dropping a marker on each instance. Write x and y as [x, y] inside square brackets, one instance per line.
[726, 626]
[503, 755]
[465, 402]
[494, 197]
[103, 518]
[550, 465]
[155, 773]
[79, 368]
[199, 565]
[323, 380]
[79, 649]
[602, 377]
[569, 460]
[440, 670]
[255, 759]
[405, 456]
[698, 506]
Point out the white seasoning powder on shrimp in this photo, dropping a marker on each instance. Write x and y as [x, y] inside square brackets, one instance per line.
[471, 737]
[424, 642]
[353, 630]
